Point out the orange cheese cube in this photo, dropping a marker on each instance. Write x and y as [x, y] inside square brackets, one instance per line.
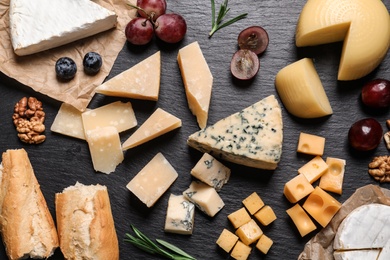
[265, 215]
[240, 251]
[297, 188]
[239, 217]
[332, 179]
[321, 206]
[311, 144]
[264, 244]
[301, 220]
[253, 203]
[227, 240]
[249, 232]
[314, 169]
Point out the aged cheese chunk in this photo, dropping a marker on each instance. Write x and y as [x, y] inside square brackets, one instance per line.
[251, 137]
[253, 203]
[239, 217]
[249, 233]
[227, 240]
[311, 144]
[159, 123]
[297, 188]
[197, 79]
[332, 179]
[301, 91]
[211, 171]
[142, 81]
[153, 180]
[265, 215]
[44, 24]
[180, 215]
[105, 148]
[301, 220]
[321, 206]
[68, 122]
[117, 114]
[369, 254]
[204, 197]
[240, 251]
[264, 244]
[364, 25]
[314, 169]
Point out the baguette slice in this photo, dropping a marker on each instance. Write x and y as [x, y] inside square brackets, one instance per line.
[26, 225]
[85, 224]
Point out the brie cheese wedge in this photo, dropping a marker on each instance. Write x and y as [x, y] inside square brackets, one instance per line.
[40, 25]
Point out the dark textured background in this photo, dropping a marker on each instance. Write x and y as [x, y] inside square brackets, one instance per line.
[61, 161]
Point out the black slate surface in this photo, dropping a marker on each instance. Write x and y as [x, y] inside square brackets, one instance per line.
[61, 161]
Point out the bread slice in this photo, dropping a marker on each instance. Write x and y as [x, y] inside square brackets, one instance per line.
[85, 224]
[26, 225]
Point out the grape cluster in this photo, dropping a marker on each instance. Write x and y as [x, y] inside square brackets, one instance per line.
[153, 19]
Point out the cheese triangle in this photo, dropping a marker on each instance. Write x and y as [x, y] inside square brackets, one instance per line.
[142, 81]
[251, 137]
[159, 123]
[44, 24]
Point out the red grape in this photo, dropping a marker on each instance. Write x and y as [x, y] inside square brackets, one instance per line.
[253, 38]
[376, 94]
[151, 8]
[365, 134]
[139, 31]
[170, 28]
[245, 64]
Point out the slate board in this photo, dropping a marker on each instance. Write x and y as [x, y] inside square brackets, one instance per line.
[61, 161]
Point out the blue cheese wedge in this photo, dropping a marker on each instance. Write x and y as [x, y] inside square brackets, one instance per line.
[180, 215]
[40, 25]
[252, 137]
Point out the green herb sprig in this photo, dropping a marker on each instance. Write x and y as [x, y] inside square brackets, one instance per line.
[144, 243]
[223, 10]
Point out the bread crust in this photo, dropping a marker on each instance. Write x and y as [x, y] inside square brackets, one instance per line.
[26, 225]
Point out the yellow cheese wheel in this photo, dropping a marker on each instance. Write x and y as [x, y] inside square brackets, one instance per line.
[363, 25]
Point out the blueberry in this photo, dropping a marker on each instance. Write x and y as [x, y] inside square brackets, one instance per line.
[92, 62]
[66, 68]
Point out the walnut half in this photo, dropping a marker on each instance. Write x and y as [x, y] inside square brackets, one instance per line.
[29, 120]
[379, 168]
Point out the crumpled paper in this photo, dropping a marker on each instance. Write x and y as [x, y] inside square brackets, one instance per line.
[320, 247]
[37, 70]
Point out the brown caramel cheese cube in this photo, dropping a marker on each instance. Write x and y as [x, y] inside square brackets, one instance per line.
[264, 244]
[241, 251]
[249, 232]
[227, 240]
[265, 215]
[253, 203]
[239, 217]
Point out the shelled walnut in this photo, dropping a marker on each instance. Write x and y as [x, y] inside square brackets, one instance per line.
[28, 119]
[379, 168]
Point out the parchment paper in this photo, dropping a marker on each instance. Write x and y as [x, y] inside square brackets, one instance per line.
[320, 247]
[37, 70]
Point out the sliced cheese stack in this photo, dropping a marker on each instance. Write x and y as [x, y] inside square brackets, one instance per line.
[364, 25]
[198, 81]
[44, 24]
[142, 81]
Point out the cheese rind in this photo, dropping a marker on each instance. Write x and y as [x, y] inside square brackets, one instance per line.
[251, 137]
[180, 215]
[68, 122]
[45, 24]
[368, 254]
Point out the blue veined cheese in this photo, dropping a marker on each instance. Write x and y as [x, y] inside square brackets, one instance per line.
[204, 197]
[252, 137]
[210, 171]
[44, 24]
[180, 215]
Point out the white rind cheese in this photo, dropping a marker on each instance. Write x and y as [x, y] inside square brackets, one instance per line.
[357, 255]
[180, 215]
[44, 24]
[251, 137]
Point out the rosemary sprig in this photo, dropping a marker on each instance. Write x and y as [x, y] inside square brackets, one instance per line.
[144, 243]
[223, 10]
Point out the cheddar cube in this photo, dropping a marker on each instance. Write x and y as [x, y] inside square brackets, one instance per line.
[311, 144]
[249, 232]
[265, 215]
[297, 188]
[332, 179]
[227, 240]
[239, 217]
[264, 244]
[314, 169]
[253, 203]
[301, 220]
[321, 206]
[240, 251]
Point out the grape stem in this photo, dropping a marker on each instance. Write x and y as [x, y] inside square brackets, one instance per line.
[223, 10]
[150, 16]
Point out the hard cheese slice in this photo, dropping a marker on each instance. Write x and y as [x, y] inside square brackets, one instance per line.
[364, 25]
[251, 137]
[44, 24]
[142, 81]
[159, 123]
[68, 122]
[198, 81]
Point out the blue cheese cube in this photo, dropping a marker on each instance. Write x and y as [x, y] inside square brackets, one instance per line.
[180, 215]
